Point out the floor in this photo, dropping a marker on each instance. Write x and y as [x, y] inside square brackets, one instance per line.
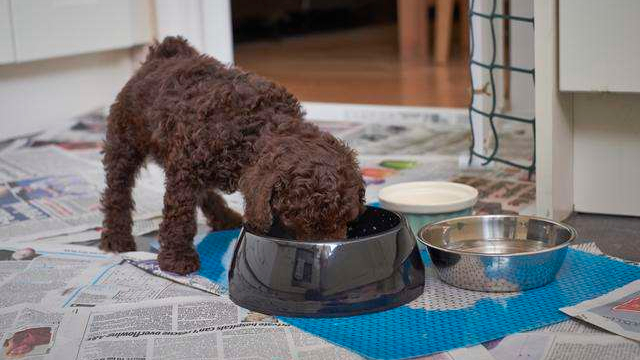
[617, 236]
[356, 66]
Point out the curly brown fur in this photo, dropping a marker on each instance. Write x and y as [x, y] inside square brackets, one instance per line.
[214, 128]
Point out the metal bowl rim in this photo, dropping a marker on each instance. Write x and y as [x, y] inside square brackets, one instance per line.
[573, 235]
[401, 224]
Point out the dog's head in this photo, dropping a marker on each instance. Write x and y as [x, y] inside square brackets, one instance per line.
[311, 184]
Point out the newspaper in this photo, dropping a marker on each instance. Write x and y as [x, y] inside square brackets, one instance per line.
[571, 327]
[565, 346]
[124, 283]
[563, 340]
[17, 142]
[87, 308]
[14, 251]
[10, 268]
[148, 262]
[47, 280]
[182, 328]
[85, 132]
[45, 274]
[408, 138]
[90, 237]
[571, 339]
[47, 192]
[477, 352]
[340, 129]
[617, 311]
[499, 196]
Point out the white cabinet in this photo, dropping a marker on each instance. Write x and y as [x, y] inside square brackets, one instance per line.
[587, 107]
[52, 28]
[6, 34]
[606, 148]
[599, 45]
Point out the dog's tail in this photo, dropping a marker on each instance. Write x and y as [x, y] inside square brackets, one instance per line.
[171, 46]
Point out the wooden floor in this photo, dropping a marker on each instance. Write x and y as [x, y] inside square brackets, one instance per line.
[356, 66]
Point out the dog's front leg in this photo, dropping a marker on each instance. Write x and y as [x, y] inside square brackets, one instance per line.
[178, 226]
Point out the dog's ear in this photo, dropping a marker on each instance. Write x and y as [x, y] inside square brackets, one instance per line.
[257, 188]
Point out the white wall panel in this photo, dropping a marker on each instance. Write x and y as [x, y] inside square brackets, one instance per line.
[6, 33]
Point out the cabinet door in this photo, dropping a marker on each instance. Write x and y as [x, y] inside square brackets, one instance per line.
[6, 34]
[51, 28]
[599, 46]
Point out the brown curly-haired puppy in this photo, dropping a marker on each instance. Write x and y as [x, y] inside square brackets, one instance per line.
[214, 128]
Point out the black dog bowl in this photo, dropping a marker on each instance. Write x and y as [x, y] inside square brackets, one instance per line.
[377, 268]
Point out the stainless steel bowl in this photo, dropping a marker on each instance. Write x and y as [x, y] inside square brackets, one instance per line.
[377, 268]
[497, 252]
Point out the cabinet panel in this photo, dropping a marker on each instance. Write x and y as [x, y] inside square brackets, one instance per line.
[606, 149]
[6, 34]
[599, 47]
[51, 28]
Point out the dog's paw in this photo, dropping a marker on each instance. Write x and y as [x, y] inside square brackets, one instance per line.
[179, 261]
[114, 242]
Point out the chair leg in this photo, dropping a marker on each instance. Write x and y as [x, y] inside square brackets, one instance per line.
[464, 27]
[444, 25]
[412, 29]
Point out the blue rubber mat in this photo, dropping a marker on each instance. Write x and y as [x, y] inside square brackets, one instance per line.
[446, 318]
[216, 252]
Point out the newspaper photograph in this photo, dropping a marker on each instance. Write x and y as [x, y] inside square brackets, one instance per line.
[29, 331]
[617, 311]
[48, 192]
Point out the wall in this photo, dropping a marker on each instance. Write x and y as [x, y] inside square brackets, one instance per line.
[46, 93]
[522, 55]
[205, 23]
[66, 58]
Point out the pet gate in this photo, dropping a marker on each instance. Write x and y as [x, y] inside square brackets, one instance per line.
[491, 53]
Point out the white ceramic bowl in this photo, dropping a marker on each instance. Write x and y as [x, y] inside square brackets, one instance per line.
[425, 202]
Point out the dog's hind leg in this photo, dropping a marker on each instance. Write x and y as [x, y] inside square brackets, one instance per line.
[122, 160]
[219, 215]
